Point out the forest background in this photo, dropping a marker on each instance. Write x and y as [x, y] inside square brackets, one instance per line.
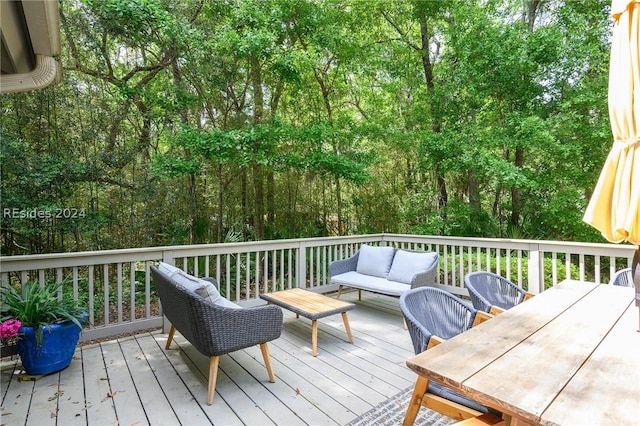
[207, 121]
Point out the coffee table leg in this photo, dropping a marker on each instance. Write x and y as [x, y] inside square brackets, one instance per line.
[346, 326]
[314, 337]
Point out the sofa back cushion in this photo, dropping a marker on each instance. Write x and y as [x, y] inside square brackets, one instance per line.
[202, 288]
[375, 261]
[406, 264]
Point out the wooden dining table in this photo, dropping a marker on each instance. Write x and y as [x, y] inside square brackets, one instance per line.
[568, 356]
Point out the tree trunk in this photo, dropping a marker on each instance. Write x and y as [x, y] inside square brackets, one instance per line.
[529, 15]
[474, 191]
[436, 126]
[258, 183]
[516, 204]
[220, 209]
[245, 204]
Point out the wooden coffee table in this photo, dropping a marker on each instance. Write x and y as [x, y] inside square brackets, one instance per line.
[313, 306]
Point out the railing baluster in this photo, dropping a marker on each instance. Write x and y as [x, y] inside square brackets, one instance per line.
[520, 268]
[74, 280]
[119, 289]
[147, 289]
[290, 266]
[132, 296]
[105, 289]
[446, 264]
[91, 294]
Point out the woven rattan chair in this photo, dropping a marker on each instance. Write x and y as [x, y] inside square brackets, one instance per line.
[216, 330]
[492, 293]
[434, 315]
[623, 278]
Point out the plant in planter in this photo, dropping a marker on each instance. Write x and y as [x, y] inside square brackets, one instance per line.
[50, 326]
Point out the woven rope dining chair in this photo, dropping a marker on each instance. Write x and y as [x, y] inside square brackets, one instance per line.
[492, 293]
[623, 278]
[434, 315]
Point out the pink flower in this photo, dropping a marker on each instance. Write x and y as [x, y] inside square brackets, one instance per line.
[9, 328]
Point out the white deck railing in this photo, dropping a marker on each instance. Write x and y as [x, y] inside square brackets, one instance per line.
[116, 287]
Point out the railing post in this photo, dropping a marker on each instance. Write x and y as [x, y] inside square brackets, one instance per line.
[535, 270]
[167, 257]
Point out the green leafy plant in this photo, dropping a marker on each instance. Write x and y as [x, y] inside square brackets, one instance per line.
[38, 307]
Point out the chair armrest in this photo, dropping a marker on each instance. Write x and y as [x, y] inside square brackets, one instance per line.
[434, 341]
[496, 310]
[424, 278]
[481, 316]
[338, 267]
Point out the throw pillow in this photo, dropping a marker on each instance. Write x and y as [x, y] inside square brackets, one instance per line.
[406, 264]
[189, 282]
[211, 292]
[375, 261]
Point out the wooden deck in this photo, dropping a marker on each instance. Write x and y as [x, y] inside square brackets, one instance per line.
[134, 381]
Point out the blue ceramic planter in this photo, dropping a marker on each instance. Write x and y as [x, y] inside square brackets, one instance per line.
[56, 351]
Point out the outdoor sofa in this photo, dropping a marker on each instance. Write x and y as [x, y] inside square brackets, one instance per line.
[385, 270]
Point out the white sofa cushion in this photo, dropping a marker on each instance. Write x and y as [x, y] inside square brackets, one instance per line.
[375, 261]
[406, 264]
[370, 283]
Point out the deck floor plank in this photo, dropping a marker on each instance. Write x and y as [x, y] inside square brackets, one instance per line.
[182, 402]
[286, 395]
[134, 380]
[7, 374]
[125, 373]
[261, 396]
[99, 404]
[197, 384]
[44, 401]
[71, 408]
[226, 388]
[15, 404]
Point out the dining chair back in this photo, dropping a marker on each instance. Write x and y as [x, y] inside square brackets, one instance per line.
[430, 311]
[488, 290]
[623, 278]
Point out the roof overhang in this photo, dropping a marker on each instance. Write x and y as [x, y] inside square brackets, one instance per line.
[30, 39]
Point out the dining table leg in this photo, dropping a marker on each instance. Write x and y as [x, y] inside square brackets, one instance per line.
[415, 403]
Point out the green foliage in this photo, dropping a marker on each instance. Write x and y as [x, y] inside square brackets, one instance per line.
[38, 307]
[511, 264]
[179, 121]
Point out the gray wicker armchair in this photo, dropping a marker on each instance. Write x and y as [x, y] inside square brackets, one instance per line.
[216, 330]
[492, 293]
[434, 315]
[623, 278]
